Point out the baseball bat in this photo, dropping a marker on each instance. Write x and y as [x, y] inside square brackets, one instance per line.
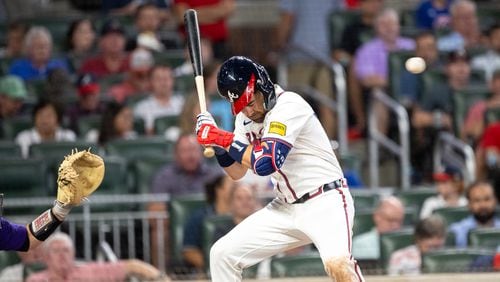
[193, 33]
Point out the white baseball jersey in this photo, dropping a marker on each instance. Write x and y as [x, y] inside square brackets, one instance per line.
[311, 161]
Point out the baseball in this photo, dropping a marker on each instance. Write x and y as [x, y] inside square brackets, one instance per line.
[415, 65]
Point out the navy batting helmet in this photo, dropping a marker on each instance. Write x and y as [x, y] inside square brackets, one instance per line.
[237, 79]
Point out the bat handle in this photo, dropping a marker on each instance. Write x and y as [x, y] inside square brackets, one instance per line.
[209, 152]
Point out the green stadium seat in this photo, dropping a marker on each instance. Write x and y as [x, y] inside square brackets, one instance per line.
[8, 258]
[392, 241]
[463, 100]
[309, 264]
[452, 214]
[451, 260]
[363, 222]
[179, 210]
[172, 58]
[397, 60]
[434, 77]
[139, 148]
[161, 124]
[87, 123]
[184, 84]
[210, 224]
[115, 180]
[9, 149]
[485, 238]
[338, 21]
[144, 171]
[364, 201]
[492, 115]
[415, 197]
[12, 126]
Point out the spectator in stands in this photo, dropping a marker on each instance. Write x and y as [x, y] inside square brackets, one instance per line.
[17, 271]
[433, 112]
[304, 23]
[371, 63]
[47, 119]
[80, 42]
[129, 7]
[137, 81]
[474, 123]
[161, 102]
[207, 55]
[112, 58]
[59, 255]
[425, 48]
[14, 41]
[12, 95]
[37, 61]
[489, 61]
[450, 186]
[212, 18]
[217, 198]
[488, 156]
[433, 14]
[359, 30]
[117, 122]
[187, 174]
[482, 204]
[88, 103]
[388, 217]
[465, 27]
[430, 234]
[147, 23]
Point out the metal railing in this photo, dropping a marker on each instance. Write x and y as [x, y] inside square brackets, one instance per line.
[339, 84]
[450, 149]
[377, 138]
[83, 224]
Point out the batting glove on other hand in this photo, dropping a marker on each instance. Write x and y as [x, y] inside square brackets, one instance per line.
[204, 118]
[210, 135]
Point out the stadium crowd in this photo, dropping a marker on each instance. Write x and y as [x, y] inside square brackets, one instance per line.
[122, 74]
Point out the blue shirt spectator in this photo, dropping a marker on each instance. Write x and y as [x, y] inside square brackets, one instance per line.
[433, 14]
[461, 229]
[25, 68]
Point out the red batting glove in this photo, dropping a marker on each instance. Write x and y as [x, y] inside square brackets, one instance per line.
[210, 135]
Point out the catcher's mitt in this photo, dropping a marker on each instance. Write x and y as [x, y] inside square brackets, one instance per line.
[79, 175]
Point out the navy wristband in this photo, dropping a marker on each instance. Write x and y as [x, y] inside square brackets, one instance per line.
[236, 151]
[223, 158]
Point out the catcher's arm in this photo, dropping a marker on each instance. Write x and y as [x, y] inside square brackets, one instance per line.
[79, 175]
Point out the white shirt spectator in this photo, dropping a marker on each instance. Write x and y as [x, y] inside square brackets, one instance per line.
[436, 202]
[28, 137]
[489, 62]
[150, 108]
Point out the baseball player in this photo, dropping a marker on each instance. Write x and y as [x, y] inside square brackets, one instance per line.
[79, 175]
[277, 133]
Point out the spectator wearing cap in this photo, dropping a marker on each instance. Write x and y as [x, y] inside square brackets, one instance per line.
[112, 57]
[474, 123]
[89, 102]
[162, 101]
[12, 95]
[465, 31]
[37, 61]
[137, 79]
[449, 185]
[46, 127]
[482, 204]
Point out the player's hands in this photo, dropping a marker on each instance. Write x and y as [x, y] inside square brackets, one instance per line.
[204, 118]
[210, 135]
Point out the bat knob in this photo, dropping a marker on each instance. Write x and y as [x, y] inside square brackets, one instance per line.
[209, 152]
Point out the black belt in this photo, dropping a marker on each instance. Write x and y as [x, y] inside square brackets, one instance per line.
[323, 189]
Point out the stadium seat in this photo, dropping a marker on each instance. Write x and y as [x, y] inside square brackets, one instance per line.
[415, 197]
[392, 241]
[492, 115]
[486, 238]
[8, 258]
[144, 171]
[172, 58]
[115, 180]
[142, 147]
[179, 210]
[451, 260]
[87, 123]
[338, 21]
[397, 60]
[309, 264]
[463, 100]
[9, 149]
[12, 126]
[452, 214]
[364, 201]
[363, 222]
[184, 84]
[161, 124]
[210, 224]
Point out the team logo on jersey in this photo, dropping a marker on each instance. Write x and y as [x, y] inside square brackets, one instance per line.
[232, 96]
[277, 128]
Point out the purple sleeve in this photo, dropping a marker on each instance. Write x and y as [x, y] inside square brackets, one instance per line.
[13, 237]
